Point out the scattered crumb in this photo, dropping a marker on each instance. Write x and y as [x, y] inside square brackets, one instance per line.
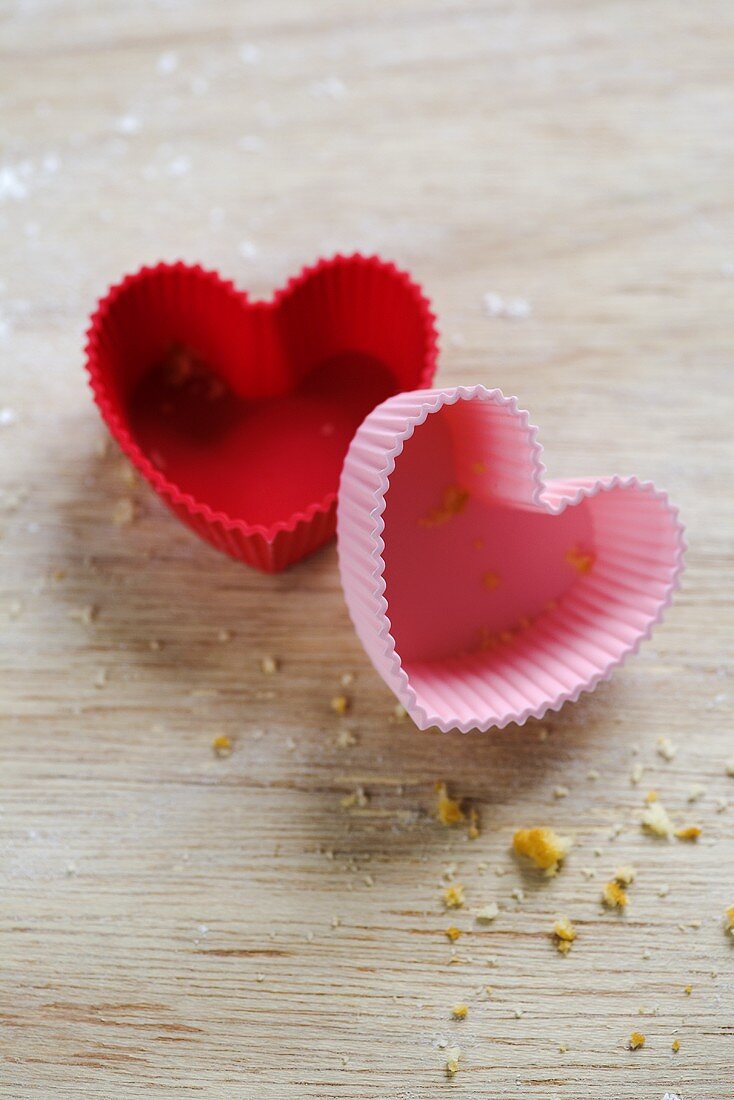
[636, 1040]
[514, 309]
[675, 1046]
[655, 820]
[560, 792]
[449, 811]
[688, 832]
[340, 704]
[259, 977]
[487, 913]
[543, 846]
[518, 894]
[85, 615]
[358, 797]
[453, 503]
[593, 775]
[100, 680]
[636, 774]
[564, 933]
[588, 872]
[625, 875]
[453, 896]
[399, 713]
[460, 1011]
[345, 739]
[729, 920]
[543, 733]
[452, 1060]
[346, 679]
[224, 636]
[490, 581]
[647, 954]
[452, 933]
[562, 1048]
[123, 513]
[666, 748]
[651, 796]
[688, 989]
[335, 921]
[613, 896]
[269, 665]
[730, 767]
[473, 831]
[222, 745]
[581, 560]
[696, 791]
[663, 890]
[518, 1012]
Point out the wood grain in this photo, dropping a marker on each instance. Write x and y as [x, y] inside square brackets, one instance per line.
[175, 924]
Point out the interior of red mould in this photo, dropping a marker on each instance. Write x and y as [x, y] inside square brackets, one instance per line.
[252, 408]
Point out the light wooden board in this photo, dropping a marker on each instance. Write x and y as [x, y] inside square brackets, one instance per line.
[166, 916]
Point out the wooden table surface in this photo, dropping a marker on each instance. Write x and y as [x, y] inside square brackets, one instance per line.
[175, 924]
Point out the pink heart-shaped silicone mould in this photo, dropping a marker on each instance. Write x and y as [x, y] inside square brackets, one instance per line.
[483, 593]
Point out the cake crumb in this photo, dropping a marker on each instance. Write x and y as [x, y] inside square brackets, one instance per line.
[729, 920]
[688, 989]
[543, 846]
[269, 665]
[222, 745]
[695, 791]
[655, 820]
[452, 1060]
[518, 1012]
[581, 560]
[452, 933]
[625, 875]
[473, 831]
[560, 792]
[453, 503]
[593, 774]
[675, 1046]
[636, 1040]
[345, 739]
[453, 896]
[613, 896]
[448, 811]
[399, 713]
[340, 704]
[636, 774]
[124, 512]
[729, 766]
[460, 1011]
[688, 832]
[666, 748]
[85, 615]
[224, 635]
[564, 933]
[346, 679]
[663, 890]
[487, 913]
[358, 797]
[562, 1048]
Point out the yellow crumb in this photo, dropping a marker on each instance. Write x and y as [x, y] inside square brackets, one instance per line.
[453, 896]
[487, 913]
[357, 797]
[449, 811]
[581, 560]
[688, 832]
[543, 846]
[730, 920]
[460, 1011]
[565, 934]
[473, 830]
[452, 933]
[222, 745]
[637, 1040]
[340, 704]
[626, 875]
[655, 820]
[688, 989]
[490, 581]
[399, 713]
[123, 513]
[453, 502]
[269, 665]
[452, 1060]
[562, 1048]
[675, 1046]
[666, 748]
[651, 796]
[613, 896]
[479, 468]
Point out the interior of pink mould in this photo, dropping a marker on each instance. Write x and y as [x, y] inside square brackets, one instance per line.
[496, 606]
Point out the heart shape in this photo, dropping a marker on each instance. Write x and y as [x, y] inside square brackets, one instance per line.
[483, 593]
[238, 412]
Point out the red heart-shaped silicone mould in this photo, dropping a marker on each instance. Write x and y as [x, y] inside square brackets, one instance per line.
[239, 413]
[483, 593]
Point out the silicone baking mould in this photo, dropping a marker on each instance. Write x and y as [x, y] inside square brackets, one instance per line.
[239, 412]
[483, 593]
